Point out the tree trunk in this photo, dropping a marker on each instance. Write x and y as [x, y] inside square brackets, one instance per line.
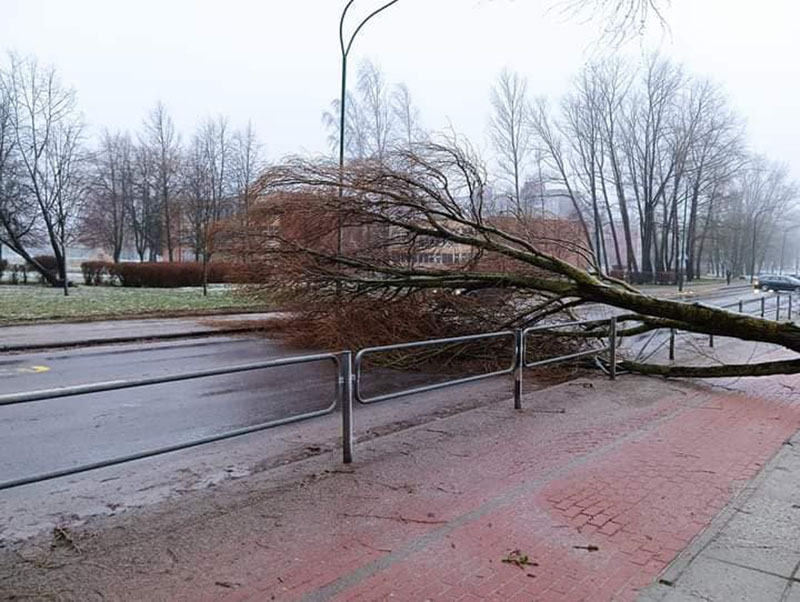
[205, 274]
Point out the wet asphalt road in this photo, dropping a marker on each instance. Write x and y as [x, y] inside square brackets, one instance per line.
[42, 436]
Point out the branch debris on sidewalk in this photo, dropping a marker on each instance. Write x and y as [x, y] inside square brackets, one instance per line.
[402, 519]
[62, 536]
[519, 559]
[589, 548]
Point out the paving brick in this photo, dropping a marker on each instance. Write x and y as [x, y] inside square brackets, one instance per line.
[636, 482]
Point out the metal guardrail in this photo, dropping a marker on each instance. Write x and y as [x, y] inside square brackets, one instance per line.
[611, 348]
[43, 394]
[359, 363]
[519, 337]
[348, 388]
[761, 311]
[341, 360]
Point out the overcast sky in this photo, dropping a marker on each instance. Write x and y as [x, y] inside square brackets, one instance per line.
[277, 62]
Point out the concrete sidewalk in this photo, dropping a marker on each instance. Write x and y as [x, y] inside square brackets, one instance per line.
[590, 504]
[67, 334]
[751, 551]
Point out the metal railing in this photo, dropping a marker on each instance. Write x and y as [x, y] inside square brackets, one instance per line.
[348, 388]
[611, 349]
[359, 364]
[519, 363]
[760, 311]
[341, 360]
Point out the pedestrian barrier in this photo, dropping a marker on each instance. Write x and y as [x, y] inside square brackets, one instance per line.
[760, 311]
[44, 395]
[348, 387]
[452, 341]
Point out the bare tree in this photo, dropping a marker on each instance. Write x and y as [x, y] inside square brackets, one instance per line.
[106, 221]
[555, 156]
[17, 216]
[652, 152]
[619, 18]
[246, 166]
[208, 186]
[143, 207]
[715, 155]
[406, 115]
[613, 83]
[581, 128]
[47, 131]
[356, 144]
[510, 130]
[376, 108]
[766, 194]
[379, 116]
[163, 144]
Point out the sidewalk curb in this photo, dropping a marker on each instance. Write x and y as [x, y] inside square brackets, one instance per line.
[662, 585]
[198, 334]
[677, 295]
[149, 315]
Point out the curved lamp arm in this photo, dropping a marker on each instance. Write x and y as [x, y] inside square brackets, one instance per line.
[346, 50]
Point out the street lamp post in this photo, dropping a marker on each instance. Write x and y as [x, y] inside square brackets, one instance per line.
[345, 48]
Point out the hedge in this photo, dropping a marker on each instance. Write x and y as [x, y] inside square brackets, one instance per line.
[94, 271]
[153, 275]
[48, 262]
[659, 277]
[3, 267]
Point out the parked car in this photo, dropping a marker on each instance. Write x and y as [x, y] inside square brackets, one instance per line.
[767, 282]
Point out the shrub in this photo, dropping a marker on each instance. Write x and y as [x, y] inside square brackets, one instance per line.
[670, 277]
[48, 262]
[3, 267]
[94, 271]
[167, 275]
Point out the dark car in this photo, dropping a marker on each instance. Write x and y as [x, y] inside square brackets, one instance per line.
[768, 282]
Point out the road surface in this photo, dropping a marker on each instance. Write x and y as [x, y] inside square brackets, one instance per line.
[53, 434]
[41, 436]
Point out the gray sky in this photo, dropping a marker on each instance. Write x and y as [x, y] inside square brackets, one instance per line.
[277, 62]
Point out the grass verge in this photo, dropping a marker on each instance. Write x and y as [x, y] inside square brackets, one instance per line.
[26, 303]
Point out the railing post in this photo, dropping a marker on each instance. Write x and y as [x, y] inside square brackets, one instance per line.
[519, 366]
[763, 305]
[711, 341]
[741, 303]
[346, 399]
[671, 344]
[790, 307]
[778, 309]
[612, 348]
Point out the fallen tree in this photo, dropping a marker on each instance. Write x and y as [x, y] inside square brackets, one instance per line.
[361, 233]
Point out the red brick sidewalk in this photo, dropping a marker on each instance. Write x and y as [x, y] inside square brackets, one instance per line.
[599, 499]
